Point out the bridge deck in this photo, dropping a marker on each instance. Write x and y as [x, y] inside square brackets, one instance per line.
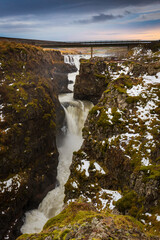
[55, 44]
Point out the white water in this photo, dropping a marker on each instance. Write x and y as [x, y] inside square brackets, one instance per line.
[76, 113]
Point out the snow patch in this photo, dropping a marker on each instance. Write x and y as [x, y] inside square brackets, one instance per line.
[113, 195]
[158, 218]
[99, 168]
[10, 183]
[85, 166]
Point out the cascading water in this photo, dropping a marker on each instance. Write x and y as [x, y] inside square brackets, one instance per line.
[76, 113]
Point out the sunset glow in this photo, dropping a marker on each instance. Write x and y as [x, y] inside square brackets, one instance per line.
[82, 20]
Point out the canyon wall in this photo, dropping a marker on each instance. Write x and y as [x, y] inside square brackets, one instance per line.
[30, 118]
[113, 190]
[119, 160]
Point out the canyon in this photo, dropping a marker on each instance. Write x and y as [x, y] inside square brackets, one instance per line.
[112, 188]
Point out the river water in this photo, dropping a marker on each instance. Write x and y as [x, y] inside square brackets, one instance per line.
[76, 113]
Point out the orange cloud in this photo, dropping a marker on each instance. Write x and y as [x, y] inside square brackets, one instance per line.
[143, 34]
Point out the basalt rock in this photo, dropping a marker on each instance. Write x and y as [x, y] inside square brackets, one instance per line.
[118, 163]
[80, 220]
[30, 117]
[91, 81]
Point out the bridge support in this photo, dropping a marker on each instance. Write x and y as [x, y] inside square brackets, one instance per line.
[91, 52]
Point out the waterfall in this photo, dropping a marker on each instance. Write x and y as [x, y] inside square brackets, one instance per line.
[76, 113]
[69, 59]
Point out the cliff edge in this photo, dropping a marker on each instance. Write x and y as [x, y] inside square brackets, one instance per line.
[28, 126]
[118, 165]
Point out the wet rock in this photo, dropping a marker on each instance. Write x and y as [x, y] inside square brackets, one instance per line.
[89, 225]
[91, 81]
[120, 152]
[30, 118]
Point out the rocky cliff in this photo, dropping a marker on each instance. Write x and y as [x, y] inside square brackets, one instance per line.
[28, 126]
[118, 164]
[91, 81]
[114, 180]
[81, 220]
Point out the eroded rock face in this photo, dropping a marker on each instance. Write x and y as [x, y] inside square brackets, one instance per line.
[59, 75]
[28, 126]
[91, 81]
[118, 163]
[81, 221]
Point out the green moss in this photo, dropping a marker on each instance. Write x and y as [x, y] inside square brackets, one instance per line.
[130, 203]
[107, 91]
[78, 153]
[151, 172]
[83, 60]
[79, 215]
[120, 89]
[116, 116]
[131, 100]
[122, 83]
[94, 110]
[64, 233]
[103, 120]
[73, 213]
[101, 76]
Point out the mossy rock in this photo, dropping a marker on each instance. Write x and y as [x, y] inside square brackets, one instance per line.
[79, 220]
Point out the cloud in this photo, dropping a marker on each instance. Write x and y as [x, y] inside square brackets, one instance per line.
[21, 7]
[73, 20]
[144, 18]
[148, 17]
[98, 18]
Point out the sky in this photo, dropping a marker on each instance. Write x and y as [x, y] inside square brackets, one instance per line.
[80, 20]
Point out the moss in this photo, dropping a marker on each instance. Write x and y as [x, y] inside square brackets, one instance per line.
[73, 213]
[100, 76]
[120, 89]
[151, 172]
[130, 203]
[83, 60]
[64, 233]
[103, 120]
[94, 110]
[116, 116]
[122, 83]
[107, 91]
[81, 217]
[131, 100]
[78, 153]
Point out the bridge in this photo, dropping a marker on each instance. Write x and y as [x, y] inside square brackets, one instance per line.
[95, 44]
[58, 44]
[92, 44]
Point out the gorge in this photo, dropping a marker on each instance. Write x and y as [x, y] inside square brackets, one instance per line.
[76, 113]
[112, 188]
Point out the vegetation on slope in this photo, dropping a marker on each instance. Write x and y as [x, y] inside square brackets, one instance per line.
[28, 152]
[118, 163]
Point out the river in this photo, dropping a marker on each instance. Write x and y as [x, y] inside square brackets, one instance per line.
[76, 112]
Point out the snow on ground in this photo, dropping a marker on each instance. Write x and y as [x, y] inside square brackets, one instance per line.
[8, 185]
[158, 218]
[112, 196]
[109, 114]
[1, 117]
[85, 165]
[74, 184]
[98, 168]
[143, 115]
[105, 198]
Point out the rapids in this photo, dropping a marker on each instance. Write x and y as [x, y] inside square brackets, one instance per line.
[76, 113]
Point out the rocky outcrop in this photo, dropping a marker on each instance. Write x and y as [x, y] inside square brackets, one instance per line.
[59, 75]
[81, 221]
[118, 163]
[30, 116]
[91, 81]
